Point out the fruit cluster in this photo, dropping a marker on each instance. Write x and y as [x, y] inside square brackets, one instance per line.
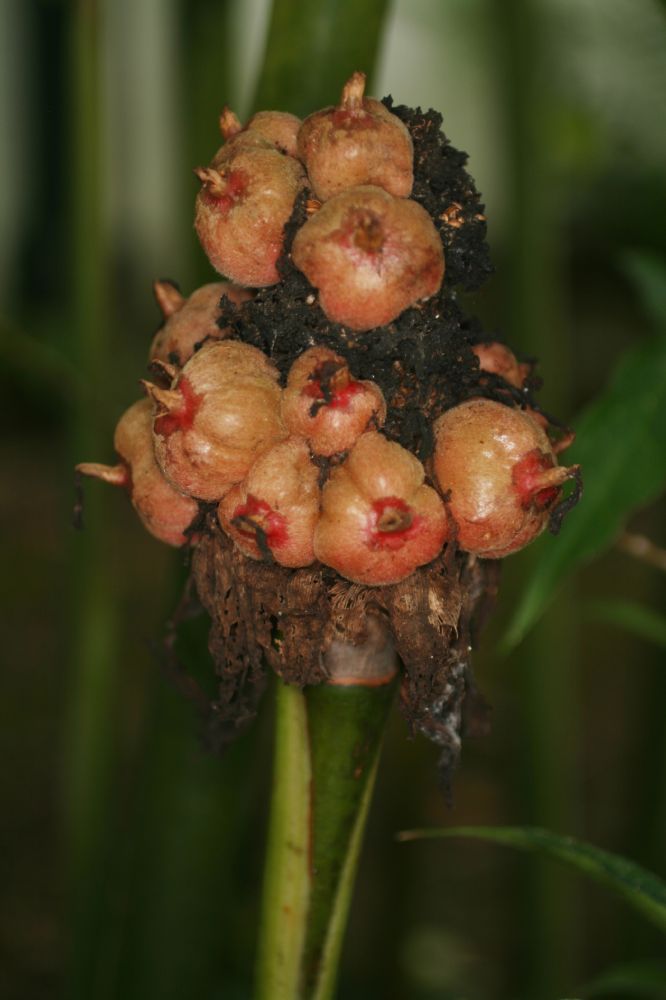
[303, 472]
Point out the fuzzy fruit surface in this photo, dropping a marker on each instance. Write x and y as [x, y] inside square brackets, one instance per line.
[221, 413]
[379, 521]
[370, 255]
[499, 471]
[325, 405]
[275, 509]
[242, 207]
[277, 128]
[164, 511]
[192, 321]
[358, 142]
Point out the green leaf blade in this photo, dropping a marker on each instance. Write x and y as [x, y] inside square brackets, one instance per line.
[621, 447]
[312, 49]
[635, 618]
[643, 890]
[642, 978]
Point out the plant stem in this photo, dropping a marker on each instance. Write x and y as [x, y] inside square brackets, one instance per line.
[535, 313]
[327, 746]
[287, 877]
[89, 729]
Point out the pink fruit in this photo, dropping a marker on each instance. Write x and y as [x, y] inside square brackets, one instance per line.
[275, 509]
[370, 255]
[241, 210]
[164, 512]
[379, 521]
[498, 472]
[359, 142]
[221, 412]
[277, 128]
[188, 322]
[497, 358]
[325, 405]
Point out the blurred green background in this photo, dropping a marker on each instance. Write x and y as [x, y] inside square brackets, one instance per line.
[131, 859]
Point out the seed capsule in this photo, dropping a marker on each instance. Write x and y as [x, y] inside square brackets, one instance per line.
[273, 512]
[221, 412]
[499, 474]
[379, 521]
[165, 512]
[188, 322]
[359, 142]
[325, 405]
[241, 209]
[370, 255]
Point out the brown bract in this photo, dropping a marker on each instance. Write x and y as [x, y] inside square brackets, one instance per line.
[379, 521]
[244, 202]
[370, 255]
[498, 471]
[358, 142]
[165, 512]
[220, 414]
[193, 321]
[326, 405]
[275, 509]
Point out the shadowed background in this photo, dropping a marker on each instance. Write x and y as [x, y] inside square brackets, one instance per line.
[131, 860]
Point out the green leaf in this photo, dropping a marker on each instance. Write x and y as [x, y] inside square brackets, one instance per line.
[643, 978]
[636, 618]
[648, 273]
[643, 890]
[621, 446]
[312, 48]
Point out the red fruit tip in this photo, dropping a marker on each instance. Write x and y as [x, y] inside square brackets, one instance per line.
[176, 408]
[537, 479]
[330, 384]
[393, 522]
[258, 522]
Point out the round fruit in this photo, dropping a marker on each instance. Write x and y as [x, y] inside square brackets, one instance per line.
[370, 255]
[325, 405]
[221, 412]
[379, 521]
[273, 512]
[359, 142]
[241, 210]
[190, 321]
[499, 359]
[498, 473]
[164, 512]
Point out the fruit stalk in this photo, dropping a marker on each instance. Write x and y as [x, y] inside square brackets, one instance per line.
[327, 746]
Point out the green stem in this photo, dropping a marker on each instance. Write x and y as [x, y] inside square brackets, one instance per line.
[89, 730]
[534, 315]
[327, 746]
[287, 878]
